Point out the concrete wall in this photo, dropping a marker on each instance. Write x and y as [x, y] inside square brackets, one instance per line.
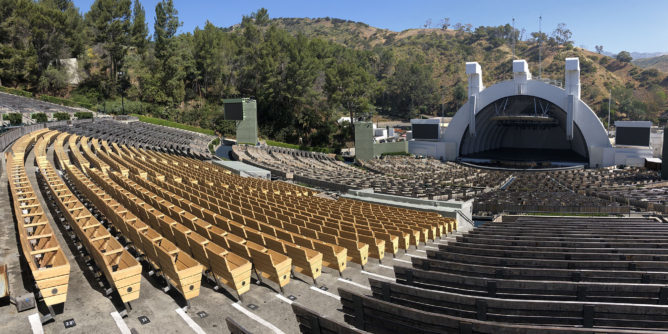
[434, 149]
[395, 147]
[366, 149]
[461, 211]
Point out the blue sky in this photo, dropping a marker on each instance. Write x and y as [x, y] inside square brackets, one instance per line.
[633, 25]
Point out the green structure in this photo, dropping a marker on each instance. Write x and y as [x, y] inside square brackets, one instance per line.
[363, 141]
[244, 112]
[366, 149]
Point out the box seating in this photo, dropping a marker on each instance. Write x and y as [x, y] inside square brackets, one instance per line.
[310, 264]
[440, 229]
[177, 267]
[120, 268]
[333, 254]
[43, 253]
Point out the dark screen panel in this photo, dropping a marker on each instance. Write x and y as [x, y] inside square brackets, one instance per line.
[234, 111]
[632, 136]
[425, 131]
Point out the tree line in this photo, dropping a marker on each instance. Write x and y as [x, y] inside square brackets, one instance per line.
[302, 84]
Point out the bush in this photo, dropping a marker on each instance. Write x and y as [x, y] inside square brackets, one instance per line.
[61, 116]
[39, 117]
[83, 115]
[171, 124]
[65, 102]
[297, 147]
[15, 91]
[13, 118]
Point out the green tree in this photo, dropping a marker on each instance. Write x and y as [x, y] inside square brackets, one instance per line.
[350, 87]
[110, 25]
[411, 89]
[624, 57]
[213, 52]
[170, 71]
[139, 31]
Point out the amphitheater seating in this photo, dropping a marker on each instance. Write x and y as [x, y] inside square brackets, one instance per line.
[379, 316]
[313, 323]
[604, 190]
[449, 294]
[177, 268]
[120, 268]
[234, 327]
[499, 309]
[147, 136]
[44, 254]
[229, 225]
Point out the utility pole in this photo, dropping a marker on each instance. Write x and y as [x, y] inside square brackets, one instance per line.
[513, 38]
[540, 47]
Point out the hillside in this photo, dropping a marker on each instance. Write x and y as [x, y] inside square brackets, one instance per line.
[660, 63]
[448, 50]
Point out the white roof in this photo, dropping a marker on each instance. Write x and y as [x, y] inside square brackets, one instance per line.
[633, 124]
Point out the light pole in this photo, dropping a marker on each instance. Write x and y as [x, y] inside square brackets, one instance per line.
[609, 100]
[120, 75]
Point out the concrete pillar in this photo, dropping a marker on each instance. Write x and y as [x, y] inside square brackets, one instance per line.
[573, 92]
[474, 73]
[521, 76]
[573, 77]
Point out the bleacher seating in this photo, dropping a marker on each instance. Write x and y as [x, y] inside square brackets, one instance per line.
[595, 289]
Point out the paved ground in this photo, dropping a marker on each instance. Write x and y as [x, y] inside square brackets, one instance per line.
[92, 311]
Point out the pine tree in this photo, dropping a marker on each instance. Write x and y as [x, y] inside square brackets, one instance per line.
[139, 28]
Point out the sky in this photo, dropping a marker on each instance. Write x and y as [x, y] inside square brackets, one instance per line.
[632, 25]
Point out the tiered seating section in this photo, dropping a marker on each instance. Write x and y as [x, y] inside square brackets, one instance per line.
[606, 190]
[119, 267]
[41, 249]
[533, 275]
[186, 219]
[145, 135]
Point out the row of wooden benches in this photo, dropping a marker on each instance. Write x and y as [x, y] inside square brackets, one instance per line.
[375, 315]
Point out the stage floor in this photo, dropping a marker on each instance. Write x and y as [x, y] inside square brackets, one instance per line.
[528, 155]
